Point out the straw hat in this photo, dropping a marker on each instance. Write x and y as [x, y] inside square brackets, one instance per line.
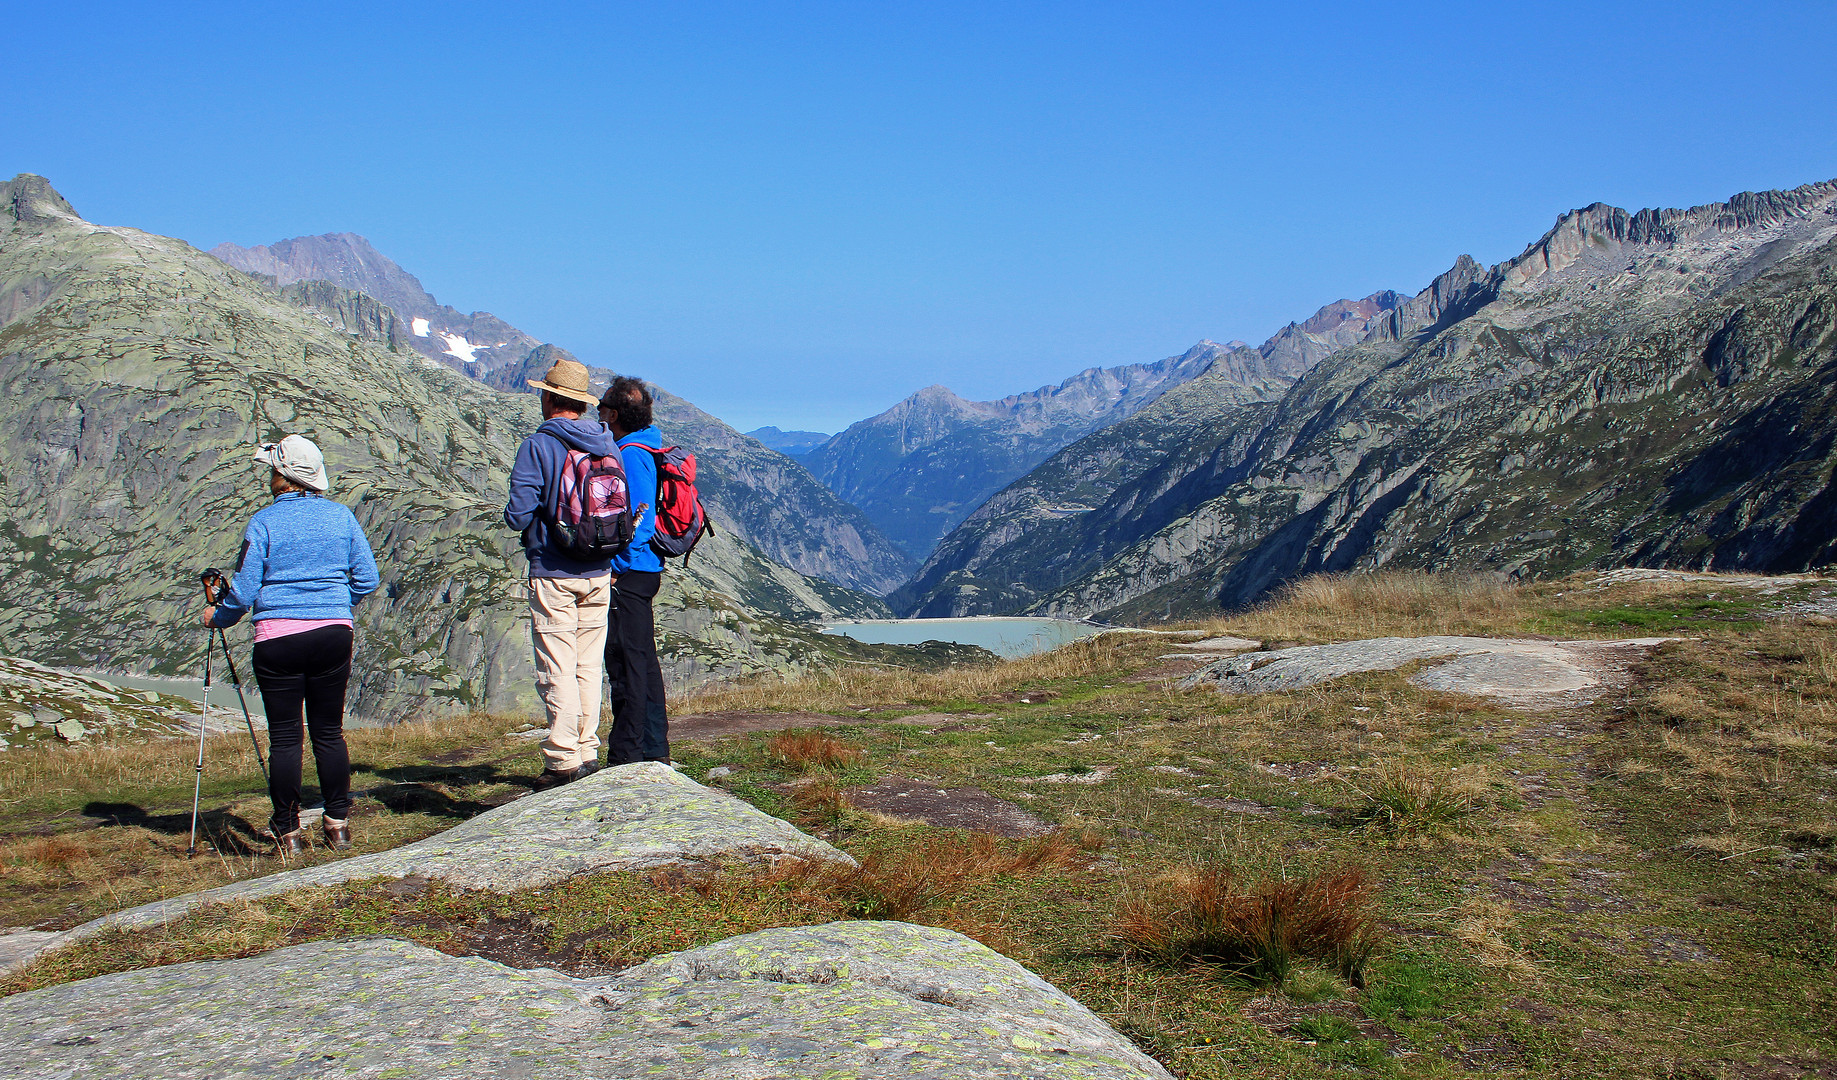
[298, 459]
[568, 379]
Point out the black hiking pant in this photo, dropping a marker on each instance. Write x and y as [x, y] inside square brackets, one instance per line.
[640, 722]
[307, 670]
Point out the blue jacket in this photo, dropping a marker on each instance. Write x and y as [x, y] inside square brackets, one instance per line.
[532, 492]
[303, 557]
[641, 474]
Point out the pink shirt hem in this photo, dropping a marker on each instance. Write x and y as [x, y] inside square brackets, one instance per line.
[268, 629]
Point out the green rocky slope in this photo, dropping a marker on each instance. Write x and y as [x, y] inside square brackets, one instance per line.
[1095, 498]
[1656, 388]
[134, 374]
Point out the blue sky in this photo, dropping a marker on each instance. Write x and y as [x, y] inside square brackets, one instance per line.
[797, 214]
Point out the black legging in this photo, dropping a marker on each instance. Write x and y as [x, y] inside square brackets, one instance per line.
[640, 722]
[308, 669]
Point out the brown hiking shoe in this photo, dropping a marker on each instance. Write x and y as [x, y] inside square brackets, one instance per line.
[549, 778]
[337, 833]
[293, 843]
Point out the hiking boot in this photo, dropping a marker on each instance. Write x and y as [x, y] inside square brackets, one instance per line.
[586, 769]
[549, 778]
[291, 843]
[337, 833]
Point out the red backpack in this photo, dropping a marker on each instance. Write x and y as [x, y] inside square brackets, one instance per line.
[592, 511]
[681, 520]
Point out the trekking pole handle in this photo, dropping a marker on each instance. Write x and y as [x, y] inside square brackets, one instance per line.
[212, 580]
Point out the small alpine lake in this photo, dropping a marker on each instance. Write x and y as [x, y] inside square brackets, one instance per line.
[1005, 636]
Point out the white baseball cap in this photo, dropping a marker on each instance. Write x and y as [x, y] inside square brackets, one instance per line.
[298, 459]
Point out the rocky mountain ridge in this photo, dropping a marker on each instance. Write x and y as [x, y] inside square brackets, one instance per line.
[473, 344]
[1654, 388]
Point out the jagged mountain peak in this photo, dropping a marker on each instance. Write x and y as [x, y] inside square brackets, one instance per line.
[30, 199]
[1598, 236]
[344, 258]
[477, 344]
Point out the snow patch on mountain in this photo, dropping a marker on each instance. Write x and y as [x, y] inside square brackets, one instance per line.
[461, 348]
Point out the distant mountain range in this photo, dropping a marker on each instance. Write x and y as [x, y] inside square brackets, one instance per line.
[770, 501]
[1650, 388]
[790, 443]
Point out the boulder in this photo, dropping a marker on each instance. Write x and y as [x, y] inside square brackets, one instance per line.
[1517, 671]
[857, 999]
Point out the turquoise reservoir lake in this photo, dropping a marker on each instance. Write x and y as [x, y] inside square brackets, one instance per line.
[1005, 636]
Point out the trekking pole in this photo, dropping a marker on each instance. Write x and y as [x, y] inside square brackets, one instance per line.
[197, 783]
[247, 720]
[213, 588]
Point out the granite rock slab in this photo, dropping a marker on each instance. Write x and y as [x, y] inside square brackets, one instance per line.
[853, 999]
[1517, 671]
[1223, 644]
[633, 817]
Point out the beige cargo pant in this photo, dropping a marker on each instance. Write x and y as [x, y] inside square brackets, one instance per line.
[568, 627]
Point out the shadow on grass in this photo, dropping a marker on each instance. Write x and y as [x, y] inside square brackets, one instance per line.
[217, 825]
[417, 789]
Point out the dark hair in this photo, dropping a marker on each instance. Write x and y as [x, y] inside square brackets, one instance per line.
[630, 403]
[564, 404]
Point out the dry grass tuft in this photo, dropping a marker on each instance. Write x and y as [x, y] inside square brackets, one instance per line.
[930, 874]
[48, 852]
[808, 750]
[820, 803]
[1258, 929]
[1482, 926]
[1402, 800]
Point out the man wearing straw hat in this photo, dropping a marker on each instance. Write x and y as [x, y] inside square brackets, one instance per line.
[568, 597]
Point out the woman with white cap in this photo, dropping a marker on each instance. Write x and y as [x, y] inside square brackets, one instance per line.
[304, 562]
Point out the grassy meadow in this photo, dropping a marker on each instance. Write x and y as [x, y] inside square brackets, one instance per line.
[1360, 878]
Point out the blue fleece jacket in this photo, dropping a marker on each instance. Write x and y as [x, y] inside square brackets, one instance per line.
[532, 492]
[303, 557]
[641, 474]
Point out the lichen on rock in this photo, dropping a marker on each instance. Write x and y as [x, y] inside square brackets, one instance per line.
[856, 999]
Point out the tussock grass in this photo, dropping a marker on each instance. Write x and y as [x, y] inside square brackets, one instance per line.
[927, 873]
[1258, 929]
[1404, 800]
[804, 751]
[820, 803]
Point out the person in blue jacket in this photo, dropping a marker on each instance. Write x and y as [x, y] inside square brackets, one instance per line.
[640, 721]
[568, 597]
[304, 563]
